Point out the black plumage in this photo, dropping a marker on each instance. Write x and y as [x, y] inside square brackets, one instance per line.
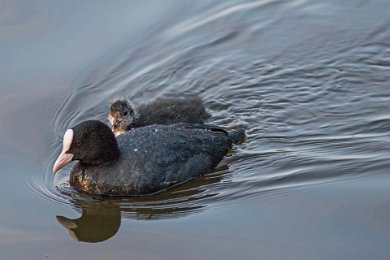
[144, 160]
[171, 111]
[123, 117]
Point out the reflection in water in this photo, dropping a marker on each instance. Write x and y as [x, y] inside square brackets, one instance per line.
[97, 223]
[101, 216]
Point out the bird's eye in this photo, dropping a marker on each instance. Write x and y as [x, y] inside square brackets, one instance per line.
[78, 142]
[125, 113]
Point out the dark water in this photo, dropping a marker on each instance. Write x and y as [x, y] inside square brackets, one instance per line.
[309, 80]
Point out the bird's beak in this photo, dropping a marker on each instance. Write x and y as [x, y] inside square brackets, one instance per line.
[61, 161]
[118, 118]
[64, 157]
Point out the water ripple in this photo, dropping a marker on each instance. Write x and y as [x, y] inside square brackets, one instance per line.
[313, 109]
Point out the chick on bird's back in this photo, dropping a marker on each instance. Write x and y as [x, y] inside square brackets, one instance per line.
[123, 117]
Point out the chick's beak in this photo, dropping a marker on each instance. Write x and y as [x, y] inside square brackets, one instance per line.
[118, 118]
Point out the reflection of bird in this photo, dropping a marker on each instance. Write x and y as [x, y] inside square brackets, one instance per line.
[93, 226]
[142, 161]
[122, 116]
[101, 219]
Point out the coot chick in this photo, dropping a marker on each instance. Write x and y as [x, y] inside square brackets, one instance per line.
[142, 161]
[163, 111]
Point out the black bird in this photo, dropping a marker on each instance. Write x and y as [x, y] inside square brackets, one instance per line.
[162, 111]
[142, 161]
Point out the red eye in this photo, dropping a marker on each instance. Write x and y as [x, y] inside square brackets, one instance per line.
[78, 142]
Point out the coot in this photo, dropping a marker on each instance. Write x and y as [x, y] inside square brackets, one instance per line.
[142, 161]
[163, 111]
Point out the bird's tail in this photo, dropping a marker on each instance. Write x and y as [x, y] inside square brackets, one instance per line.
[237, 135]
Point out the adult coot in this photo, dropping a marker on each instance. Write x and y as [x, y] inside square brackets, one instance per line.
[142, 161]
[163, 111]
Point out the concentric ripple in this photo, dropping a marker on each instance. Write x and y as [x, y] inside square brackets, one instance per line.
[312, 109]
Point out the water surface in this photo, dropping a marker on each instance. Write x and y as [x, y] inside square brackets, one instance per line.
[308, 80]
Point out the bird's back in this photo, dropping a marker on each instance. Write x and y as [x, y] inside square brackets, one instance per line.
[171, 111]
[154, 158]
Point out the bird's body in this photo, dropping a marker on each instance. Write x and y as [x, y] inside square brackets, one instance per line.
[150, 159]
[171, 111]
